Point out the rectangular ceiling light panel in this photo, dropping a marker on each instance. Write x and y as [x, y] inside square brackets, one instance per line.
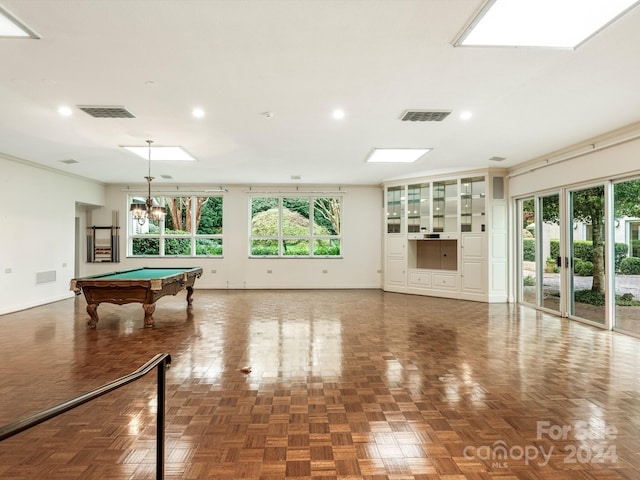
[396, 155]
[11, 27]
[541, 23]
[178, 154]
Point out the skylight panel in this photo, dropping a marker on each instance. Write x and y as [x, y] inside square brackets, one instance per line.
[396, 155]
[162, 153]
[542, 23]
[11, 27]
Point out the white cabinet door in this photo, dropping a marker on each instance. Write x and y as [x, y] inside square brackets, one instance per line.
[396, 264]
[474, 263]
[396, 272]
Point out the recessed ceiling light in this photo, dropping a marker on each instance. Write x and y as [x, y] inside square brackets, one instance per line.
[197, 112]
[466, 115]
[162, 153]
[541, 23]
[11, 27]
[396, 155]
[65, 111]
[338, 114]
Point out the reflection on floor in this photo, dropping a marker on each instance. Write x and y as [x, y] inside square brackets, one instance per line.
[356, 384]
[626, 316]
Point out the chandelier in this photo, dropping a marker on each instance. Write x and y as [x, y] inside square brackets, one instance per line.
[143, 211]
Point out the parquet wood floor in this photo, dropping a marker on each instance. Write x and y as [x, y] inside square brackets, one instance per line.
[357, 384]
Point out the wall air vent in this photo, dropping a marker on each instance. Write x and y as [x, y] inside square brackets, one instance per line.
[424, 115]
[69, 161]
[106, 111]
[497, 159]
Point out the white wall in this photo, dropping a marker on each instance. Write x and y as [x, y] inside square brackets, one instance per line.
[360, 266]
[618, 160]
[38, 215]
[37, 232]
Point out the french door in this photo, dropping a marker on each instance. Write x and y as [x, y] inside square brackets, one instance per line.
[540, 251]
[562, 252]
[586, 263]
[579, 253]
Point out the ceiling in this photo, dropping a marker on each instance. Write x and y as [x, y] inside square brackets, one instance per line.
[299, 60]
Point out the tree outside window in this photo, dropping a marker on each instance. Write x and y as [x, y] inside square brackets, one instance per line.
[192, 227]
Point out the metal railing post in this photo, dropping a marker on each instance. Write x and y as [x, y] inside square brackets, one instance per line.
[162, 367]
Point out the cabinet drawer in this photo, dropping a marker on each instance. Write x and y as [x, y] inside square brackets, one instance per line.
[444, 282]
[420, 279]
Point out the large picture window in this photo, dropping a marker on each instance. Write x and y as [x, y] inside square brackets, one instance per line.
[191, 228]
[304, 226]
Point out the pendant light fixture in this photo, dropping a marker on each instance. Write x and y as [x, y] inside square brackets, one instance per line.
[143, 211]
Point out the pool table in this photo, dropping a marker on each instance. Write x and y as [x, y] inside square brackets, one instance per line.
[141, 285]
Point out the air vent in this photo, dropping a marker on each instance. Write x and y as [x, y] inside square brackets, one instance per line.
[106, 112]
[167, 177]
[69, 161]
[497, 159]
[424, 115]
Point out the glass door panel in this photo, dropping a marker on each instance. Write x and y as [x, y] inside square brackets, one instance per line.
[626, 205]
[587, 281]
[395, 210]
[445, 206]
[549, 251]
[472, 204]
[528, 279]
[418, 208]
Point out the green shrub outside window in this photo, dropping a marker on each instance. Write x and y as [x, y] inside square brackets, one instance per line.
[295, 226]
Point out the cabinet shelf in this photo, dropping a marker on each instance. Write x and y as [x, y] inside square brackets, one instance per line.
[103, 244]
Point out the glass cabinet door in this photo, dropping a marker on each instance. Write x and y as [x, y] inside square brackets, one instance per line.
[472, 204]
[445, 206]
[418, 208]
[395, 210]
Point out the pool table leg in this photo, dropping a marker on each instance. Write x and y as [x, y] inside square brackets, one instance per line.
[92, 310]
[189, 294]
[149, 308]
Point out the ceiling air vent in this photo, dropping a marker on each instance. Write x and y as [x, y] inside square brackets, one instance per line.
[69, 161]
[497, 159]
[424, 115]
[106, 112]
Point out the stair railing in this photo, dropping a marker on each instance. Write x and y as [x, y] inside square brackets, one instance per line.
[161, 360]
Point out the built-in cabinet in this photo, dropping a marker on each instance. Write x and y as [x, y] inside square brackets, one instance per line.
[446, 236]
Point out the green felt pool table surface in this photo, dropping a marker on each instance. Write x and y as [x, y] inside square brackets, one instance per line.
[145, 273]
